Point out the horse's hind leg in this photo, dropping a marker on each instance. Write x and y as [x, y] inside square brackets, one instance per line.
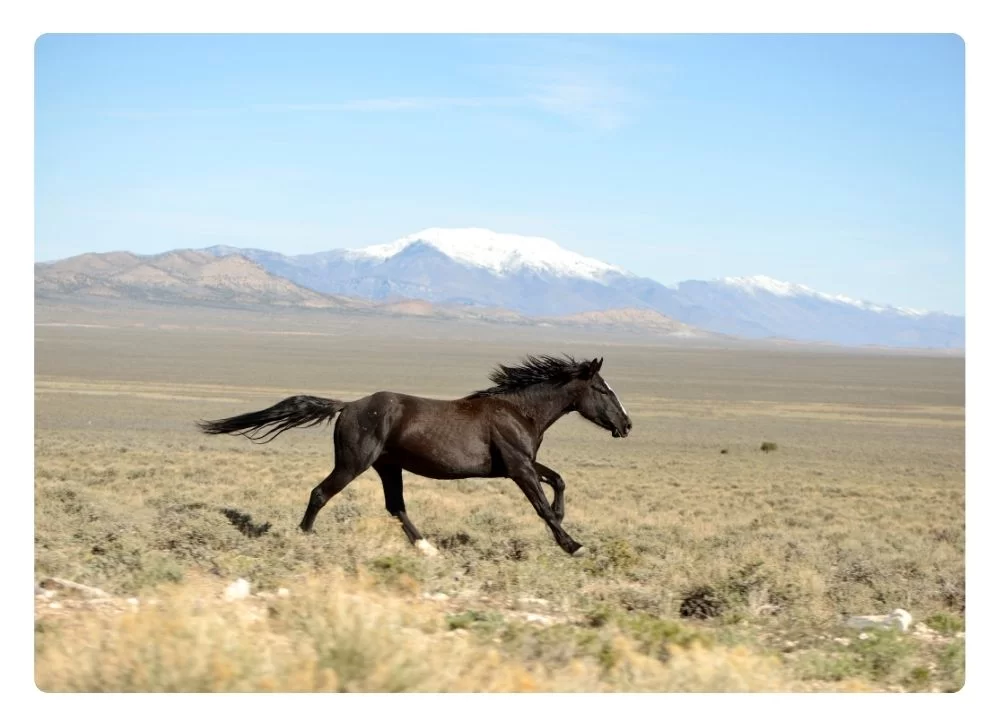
[392, 487]
[335, 483]
[355, 449]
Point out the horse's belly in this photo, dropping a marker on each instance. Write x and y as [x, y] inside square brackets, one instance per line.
[440, 461]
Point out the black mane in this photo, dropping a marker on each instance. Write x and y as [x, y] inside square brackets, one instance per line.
[533, 370]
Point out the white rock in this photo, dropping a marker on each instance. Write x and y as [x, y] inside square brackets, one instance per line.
[238, 590]
[902, 619]
[898, 618]
[533, 601]
[283, 592]
[58, 583]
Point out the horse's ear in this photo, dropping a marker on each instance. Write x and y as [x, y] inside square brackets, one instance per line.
[594, 367]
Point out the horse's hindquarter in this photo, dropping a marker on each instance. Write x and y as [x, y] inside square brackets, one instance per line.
[440, 439]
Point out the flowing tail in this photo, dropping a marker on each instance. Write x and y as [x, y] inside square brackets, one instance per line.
[264, 426]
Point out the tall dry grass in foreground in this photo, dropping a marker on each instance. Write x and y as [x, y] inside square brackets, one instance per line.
[347, 635]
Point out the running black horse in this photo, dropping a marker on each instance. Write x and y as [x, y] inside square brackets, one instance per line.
[495, 432]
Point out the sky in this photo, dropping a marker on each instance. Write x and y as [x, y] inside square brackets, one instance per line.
[833, 161]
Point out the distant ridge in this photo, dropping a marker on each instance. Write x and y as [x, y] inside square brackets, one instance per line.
[474, 273]
[636, 319]
[180, 275]
[536, 277]
[199, 277]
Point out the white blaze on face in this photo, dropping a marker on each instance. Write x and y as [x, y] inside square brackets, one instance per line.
[616, 396]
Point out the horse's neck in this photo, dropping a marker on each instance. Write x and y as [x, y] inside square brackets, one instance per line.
[544, 406]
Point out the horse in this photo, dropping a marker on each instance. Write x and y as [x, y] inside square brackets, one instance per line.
[490, 433]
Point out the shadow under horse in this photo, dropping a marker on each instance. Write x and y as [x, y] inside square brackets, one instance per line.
[495, 432]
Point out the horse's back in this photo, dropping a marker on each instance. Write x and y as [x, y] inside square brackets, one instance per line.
[438, 438]
[389, 402]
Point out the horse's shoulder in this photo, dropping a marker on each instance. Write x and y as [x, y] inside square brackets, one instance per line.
[508, 413]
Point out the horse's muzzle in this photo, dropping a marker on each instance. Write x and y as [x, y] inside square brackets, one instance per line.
[621, 433]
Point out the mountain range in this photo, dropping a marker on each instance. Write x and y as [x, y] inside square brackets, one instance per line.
[194, 276]
[480, 274]
[180, 275]
[534, 276]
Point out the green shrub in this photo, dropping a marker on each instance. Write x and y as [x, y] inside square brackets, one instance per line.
[471, 619]
[946, 623]
[951, 666]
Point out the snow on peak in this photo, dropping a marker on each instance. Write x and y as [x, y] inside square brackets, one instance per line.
[499, 253]
[762, 283]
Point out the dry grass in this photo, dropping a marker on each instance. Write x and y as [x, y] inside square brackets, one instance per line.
[860, 510]
[346, 635]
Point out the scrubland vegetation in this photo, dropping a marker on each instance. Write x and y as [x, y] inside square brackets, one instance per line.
[705, 572]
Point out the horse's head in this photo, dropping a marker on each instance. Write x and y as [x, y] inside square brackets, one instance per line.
[598, 403]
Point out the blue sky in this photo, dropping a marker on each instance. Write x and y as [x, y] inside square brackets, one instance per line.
[831, 161]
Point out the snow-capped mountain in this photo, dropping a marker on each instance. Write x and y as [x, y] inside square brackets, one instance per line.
[530, 275]
[768, 285]
[501, 254]
[535, 276]
[761, 307]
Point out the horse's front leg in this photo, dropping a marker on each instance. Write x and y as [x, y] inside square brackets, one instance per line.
[524, 474]
[555, 481]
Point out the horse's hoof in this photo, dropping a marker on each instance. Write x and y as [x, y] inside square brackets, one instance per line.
[426, 548]
[580, 552]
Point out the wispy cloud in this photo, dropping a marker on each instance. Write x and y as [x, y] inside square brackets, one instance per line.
[374, 105]
[362, 105]
[567, 98]
[584, 100]
[140, 114]
[589, 83]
